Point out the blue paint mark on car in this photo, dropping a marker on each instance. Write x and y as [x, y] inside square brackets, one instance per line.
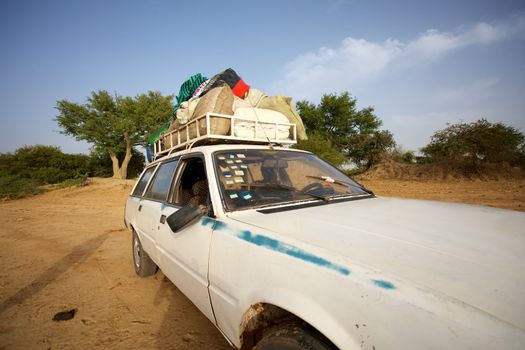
[214, 224]
[384, 284]
[206, 221]
[275, 245]
[219, 225]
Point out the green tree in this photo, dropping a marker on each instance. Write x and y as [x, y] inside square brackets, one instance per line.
[114, 124]
[45, 164]
[476, 143]
[100, 164]
[353, 132]
[322, 147]
[399, 155]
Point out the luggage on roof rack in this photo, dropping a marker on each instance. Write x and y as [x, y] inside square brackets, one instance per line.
[213, 128]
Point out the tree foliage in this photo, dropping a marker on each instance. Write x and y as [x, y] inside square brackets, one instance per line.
[114, 124]
[49, 165]
[44, 164]
[477, 142]
[399, 155]
[323, 148]
[353, 132]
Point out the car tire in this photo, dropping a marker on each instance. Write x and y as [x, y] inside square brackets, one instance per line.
[144, 266]
[293, 337]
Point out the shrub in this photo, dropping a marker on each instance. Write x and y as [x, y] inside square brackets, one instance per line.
[476, 143]
[45, 164]
[29, 167]
[399, 155]
[78, 182]
[13, 187]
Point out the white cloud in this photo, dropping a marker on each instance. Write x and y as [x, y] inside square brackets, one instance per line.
[355, 59]
[358, 61]
[412, 93]
[433, 42]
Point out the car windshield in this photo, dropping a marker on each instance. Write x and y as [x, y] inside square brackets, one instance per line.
[252, 178]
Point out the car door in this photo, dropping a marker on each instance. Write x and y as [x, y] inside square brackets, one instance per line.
[184, 254]
[151, 204]
[136, 204]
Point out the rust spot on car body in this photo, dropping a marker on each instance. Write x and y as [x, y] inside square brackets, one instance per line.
[258, 317]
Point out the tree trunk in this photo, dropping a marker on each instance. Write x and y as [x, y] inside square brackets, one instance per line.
[127, 158]
[116, 169]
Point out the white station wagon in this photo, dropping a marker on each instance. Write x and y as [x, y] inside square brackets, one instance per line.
[280, 250]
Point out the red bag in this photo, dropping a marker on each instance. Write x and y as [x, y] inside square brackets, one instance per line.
[230, 78]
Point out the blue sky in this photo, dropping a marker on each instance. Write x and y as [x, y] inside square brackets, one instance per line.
[421, 64]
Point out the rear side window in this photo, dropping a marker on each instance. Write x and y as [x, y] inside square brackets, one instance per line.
[161, 183]
[143, 182]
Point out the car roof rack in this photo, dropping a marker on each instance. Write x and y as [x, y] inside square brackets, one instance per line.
[214, 128]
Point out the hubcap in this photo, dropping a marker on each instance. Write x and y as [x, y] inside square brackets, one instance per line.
[136, 252]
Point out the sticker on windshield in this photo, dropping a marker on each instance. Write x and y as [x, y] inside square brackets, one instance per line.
[232, 155]
[247, 196]
[224, 168]
[229, 182]
[234, 196]
[244, 167]
[229, 161]
[221, 157]
[240, 155]
[239, 173]
[227, 174]
[238, 161]
[238, 180]
[234, 167]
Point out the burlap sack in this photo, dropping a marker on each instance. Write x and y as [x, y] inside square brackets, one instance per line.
[283, 104]
[167, 139]
[217, 100]
[176, 125]
[254, 97]
[186, 110]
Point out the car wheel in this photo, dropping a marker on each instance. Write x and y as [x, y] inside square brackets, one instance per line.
[144, 266]
[292, 337]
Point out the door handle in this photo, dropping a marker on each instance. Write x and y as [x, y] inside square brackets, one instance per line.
[140, 207]
[163, 219]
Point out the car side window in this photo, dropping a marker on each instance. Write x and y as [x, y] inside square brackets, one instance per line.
[192, 184]
[141, 185]
[160, 186]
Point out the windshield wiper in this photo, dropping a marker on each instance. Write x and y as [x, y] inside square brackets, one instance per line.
[329, 180]
[339, 182]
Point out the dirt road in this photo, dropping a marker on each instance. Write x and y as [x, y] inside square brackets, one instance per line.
[506, 194]
[69, 249]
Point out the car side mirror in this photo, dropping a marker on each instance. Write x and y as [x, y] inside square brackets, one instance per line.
[184, 216]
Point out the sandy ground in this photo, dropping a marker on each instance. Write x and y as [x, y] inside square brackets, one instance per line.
[69, 249]
[507, 194]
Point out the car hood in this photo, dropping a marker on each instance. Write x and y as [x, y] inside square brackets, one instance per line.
[471, 253]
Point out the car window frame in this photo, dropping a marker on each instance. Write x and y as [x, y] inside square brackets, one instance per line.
[156, 166]
[226, 209]
[178, 175]
[153, 176]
